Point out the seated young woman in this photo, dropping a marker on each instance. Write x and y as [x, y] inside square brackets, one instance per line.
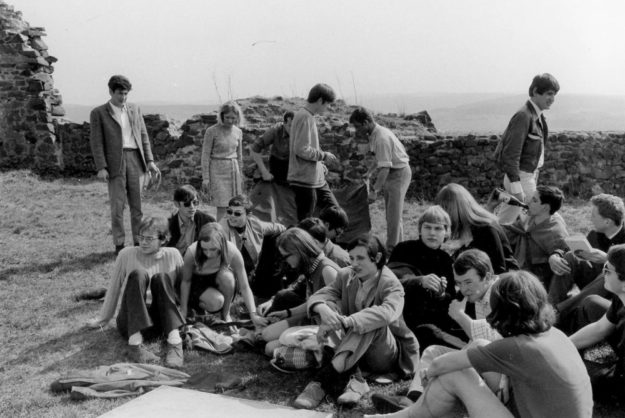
[361, 313]
[472, 226]
[141, 273]
[546, 374]
[213, 272]
[303, 254]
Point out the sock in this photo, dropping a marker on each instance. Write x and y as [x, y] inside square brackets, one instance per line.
[135, 339]
[173, 337]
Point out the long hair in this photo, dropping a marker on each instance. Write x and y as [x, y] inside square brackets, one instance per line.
[208, 232]
[463, 210]
[519, 305]
[297, 241]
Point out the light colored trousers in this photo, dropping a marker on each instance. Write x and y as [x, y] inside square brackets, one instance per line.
[126, 185]
[508, 213]
[395, 189]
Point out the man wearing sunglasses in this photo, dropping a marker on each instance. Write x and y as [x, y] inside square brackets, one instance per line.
[186, 222]
[247, 232]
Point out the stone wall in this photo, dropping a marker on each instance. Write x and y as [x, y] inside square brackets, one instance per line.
[581, 164]
[28, 100]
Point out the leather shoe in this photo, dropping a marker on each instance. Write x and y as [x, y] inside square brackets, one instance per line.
[139, 354]
[311, 397]
[175, 355]
[355, 389]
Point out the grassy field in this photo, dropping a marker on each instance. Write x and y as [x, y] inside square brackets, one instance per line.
[56, 241]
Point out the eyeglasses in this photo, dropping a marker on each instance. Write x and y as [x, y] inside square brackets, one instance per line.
[236, 213]
[148, 239]
[193, 202]
[606, 270]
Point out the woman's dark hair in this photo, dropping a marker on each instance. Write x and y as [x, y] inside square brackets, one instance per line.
[208, 232]
[519, 305]
[297, 241]
[315, 227]
[373, 245]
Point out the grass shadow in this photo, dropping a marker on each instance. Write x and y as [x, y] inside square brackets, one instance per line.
[64, 266]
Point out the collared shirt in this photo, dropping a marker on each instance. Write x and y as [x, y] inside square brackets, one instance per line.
[539, 112]
[388, 150]
[121, 116]
[187, 230]
[364, 287]
[482, 306]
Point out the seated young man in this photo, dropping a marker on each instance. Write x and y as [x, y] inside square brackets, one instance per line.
[336, 221]
[425, 271]
[361, 312]
[318, 230]
[246, 231]
[546, 374]
[473, 274]
[535, 237]
[139, 271]
[605, 319]
[185, 224]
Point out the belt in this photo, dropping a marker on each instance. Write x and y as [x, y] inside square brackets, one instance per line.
[130, 149]
[224, 158]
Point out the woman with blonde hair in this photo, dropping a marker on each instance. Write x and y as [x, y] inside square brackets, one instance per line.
[222, 158]
[472, 226]
[212, 274]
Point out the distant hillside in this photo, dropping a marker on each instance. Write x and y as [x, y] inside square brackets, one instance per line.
[452, 113]
[80, 113]
[490, 113]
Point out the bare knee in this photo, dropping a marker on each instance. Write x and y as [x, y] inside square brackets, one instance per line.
[212, 300]
[225, 281]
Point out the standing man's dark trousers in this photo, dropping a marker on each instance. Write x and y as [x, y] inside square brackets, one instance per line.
[161, 317]
[307, 198]
[126, 185]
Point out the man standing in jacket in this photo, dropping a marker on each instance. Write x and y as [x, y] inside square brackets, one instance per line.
[122, 155]
[521, 152]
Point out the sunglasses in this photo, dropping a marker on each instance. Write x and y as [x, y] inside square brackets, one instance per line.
[236, 213]
[193, 202]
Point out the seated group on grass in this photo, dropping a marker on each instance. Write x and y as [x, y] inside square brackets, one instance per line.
[472, 296]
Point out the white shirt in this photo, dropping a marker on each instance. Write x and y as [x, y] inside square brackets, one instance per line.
[121, 116]
[539, 112]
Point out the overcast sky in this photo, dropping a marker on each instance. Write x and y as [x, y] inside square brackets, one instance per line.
[186, 51]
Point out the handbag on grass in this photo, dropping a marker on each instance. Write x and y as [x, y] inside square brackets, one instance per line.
[293, 358]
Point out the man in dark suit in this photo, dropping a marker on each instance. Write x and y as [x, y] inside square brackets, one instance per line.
[521, 151]
[122, 155]
[185, 224]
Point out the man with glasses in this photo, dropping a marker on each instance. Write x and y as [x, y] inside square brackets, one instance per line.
[186, 222]
[247, 232]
